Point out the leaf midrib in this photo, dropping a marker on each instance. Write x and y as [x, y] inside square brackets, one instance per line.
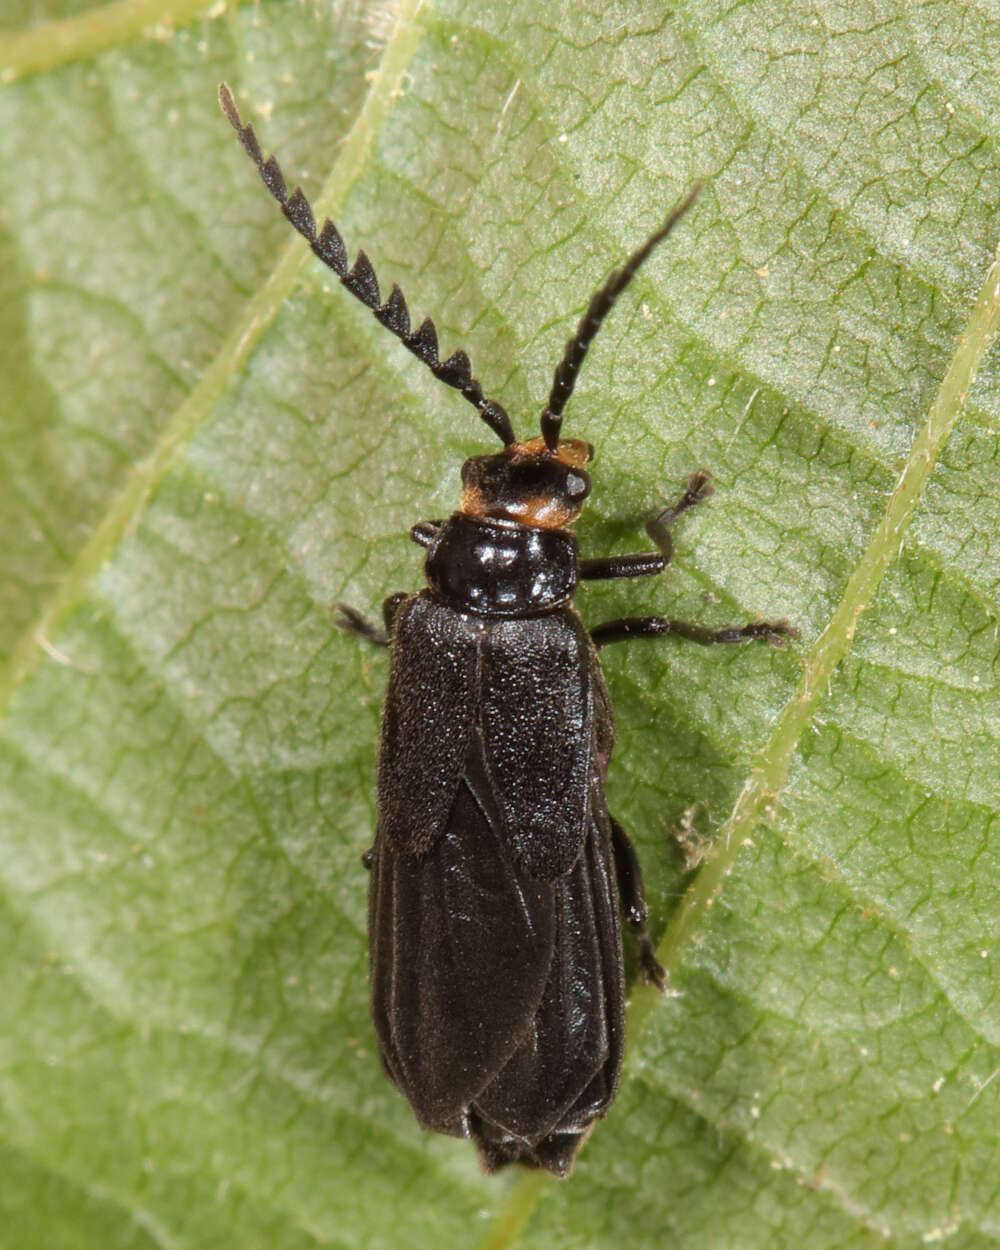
[47, 45]
[769, 776]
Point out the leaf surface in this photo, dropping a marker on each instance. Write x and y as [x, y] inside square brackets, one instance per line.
[207, 442]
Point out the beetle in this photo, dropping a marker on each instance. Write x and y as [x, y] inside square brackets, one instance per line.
[497, 871]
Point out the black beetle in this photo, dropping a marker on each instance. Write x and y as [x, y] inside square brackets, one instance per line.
[498, 986]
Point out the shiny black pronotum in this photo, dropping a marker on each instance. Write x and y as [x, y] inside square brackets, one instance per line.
[498, 873]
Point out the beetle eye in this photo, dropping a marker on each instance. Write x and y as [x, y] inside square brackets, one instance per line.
[577, 486]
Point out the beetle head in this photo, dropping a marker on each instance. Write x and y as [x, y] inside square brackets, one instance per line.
[527, 482]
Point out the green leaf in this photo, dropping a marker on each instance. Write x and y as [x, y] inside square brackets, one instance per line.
[206, 443]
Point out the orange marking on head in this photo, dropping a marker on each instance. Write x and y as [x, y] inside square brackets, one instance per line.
[542, 511]
[572, 452]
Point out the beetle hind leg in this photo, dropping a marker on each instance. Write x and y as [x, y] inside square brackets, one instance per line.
[633, 904]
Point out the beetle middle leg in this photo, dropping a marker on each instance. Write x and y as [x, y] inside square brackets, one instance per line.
[633, 901]
[628, 627]
[352, 622]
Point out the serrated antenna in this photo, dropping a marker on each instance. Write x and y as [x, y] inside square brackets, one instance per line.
[601, 303]
[362, 283]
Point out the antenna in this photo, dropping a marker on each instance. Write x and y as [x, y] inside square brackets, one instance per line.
[601, 303]
[362, 283]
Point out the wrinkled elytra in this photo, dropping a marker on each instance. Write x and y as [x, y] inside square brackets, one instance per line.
[498, 873]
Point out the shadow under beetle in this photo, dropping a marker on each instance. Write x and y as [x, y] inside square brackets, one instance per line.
[497, 871]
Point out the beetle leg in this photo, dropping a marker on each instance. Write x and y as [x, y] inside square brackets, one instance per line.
[633, 901]
[774, 632]
[390, 606]
[647, 564]
[352, 622]
[699, 487]
[424, 532]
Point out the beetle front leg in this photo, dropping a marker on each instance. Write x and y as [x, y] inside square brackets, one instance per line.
[774, 632]
[699, 487]
[352, 622]
[633, 902]
[424, 532]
